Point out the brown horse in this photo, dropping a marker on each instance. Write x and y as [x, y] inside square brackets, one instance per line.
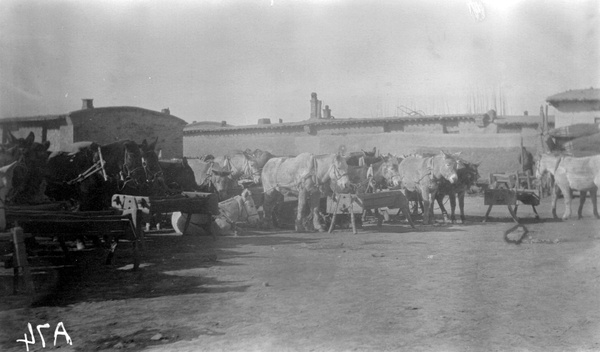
[306, 176]
[423, 176]
[570, 173]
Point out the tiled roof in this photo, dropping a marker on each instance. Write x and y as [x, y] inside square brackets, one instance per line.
[590, 94]
[195, 128]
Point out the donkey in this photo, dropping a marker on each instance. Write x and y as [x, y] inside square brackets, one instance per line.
[308, 176]
[467, 176]
[570, 173]
[424, 174]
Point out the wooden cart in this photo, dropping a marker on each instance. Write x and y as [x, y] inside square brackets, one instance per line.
[356, 203]
[511, 190]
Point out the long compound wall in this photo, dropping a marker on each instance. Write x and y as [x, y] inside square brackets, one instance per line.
[495, 152]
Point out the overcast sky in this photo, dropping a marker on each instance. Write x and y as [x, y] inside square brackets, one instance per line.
[243, 60]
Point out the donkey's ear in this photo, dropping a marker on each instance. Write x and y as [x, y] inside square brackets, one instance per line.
[30, 138]
[12, 139]
[153, 145]
[46, 145]
[144, 144]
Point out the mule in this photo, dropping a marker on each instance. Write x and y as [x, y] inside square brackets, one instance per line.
[210, 177]
[306, 176]
[235, 210]
[423, 175]
[363, 157]
[570, 173]
[242, 167]
[467, 177]
[260, 157]
[239, 209]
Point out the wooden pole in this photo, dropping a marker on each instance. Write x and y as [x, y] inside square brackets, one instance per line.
[21, 265]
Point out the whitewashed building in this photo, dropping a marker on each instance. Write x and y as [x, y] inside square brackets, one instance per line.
[576, 106]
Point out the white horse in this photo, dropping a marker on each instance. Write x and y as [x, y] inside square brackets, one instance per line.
[570, 173]
[237, 210]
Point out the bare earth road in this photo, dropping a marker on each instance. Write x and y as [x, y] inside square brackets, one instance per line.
[439, 288]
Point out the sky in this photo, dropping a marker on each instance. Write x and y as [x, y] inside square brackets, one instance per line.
[243, 60]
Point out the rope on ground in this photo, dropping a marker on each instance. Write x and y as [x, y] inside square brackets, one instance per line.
[513, 229]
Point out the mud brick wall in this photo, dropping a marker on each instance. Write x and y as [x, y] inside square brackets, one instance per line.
[106, 125]
[496, 152]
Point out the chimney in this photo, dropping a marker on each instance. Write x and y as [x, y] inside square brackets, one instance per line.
[526, 113]
[280, 120]
[314, 112]
[327, 112]
[223, 123]
[266, 121]
[87, 104]
[166, 111]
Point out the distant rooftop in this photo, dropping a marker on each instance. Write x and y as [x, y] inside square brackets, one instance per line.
[590, 94]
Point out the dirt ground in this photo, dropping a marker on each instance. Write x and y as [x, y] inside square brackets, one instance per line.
[436, 288]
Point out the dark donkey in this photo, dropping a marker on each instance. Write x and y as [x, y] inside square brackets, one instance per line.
[28, 180]
[423, 176]
[467, 176]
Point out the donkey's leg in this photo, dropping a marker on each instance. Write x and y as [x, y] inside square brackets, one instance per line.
[567, 194]
[302, 195]
[428, 199]
[452, 197]
[461, 206]
[440, 200]
[554, 190]
[582, 196]
[315, 200]
[270, 203]
[593, 195]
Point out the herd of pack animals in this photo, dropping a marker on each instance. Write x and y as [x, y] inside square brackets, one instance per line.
[85, 175]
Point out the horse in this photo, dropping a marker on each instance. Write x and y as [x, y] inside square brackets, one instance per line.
[423, 175]
[239, 209]
[28, 178]
[306, 176]
[467, 176]
[570, 173]
[210, 177]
